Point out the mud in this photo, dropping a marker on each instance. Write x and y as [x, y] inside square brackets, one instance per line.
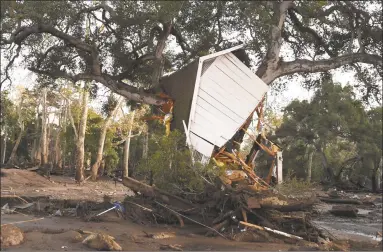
[53, 233]
[363, 228]
[62, 193]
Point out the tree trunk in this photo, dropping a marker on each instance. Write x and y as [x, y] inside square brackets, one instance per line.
[101, 140]
[4, 147]
[44, 154]
[81, 136]
[309, 165]
[58, 149]
[36, 140]
[12, 157]
[127, 147]
[327, 169]
[375, 182]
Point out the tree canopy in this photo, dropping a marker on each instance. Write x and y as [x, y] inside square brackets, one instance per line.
[126, 45]
[336, 126]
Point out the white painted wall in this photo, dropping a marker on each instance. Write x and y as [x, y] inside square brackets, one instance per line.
[227, 93]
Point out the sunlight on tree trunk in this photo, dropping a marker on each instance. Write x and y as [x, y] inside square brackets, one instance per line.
[127, 147]
[309, 165]
[36, 142]
[101, 141]
[44, 154]
[375, 176]
[81, 135]
[4, 147]
[58, 149]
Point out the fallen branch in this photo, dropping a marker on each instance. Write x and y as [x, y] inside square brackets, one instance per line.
[346, 211]
[191, 219]
[270, 230]
[217, 227]
[144, 208]
[17, 222]
[342, 201]
[14, 196]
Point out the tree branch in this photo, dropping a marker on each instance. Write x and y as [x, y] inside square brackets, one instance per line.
[308, 66]
[314, 34]
[270, 62]
[9, 65]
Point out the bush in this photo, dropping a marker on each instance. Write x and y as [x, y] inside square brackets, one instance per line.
[169, 165]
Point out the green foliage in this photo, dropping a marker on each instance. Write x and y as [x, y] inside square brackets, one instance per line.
[323, 30]
[169, 162]
[334, 123]
[292, 185]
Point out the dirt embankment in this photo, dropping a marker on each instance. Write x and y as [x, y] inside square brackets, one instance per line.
[31, 184]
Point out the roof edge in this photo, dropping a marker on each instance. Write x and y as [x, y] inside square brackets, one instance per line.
[213, 55]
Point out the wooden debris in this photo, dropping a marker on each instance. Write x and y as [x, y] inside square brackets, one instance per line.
[270, 230]
[244, 214]
[223, 217]
[101, 242]
[342, 201]
[162, 235]
[218, 227]
[175, 247]
[35, 168]
[251, 225]
[17, 222]
[345, 211]
[253, 203]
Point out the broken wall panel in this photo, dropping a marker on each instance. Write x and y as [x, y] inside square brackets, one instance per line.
[214, 95]
[180, 86]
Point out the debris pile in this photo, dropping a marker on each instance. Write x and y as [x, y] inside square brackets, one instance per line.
[240, 215]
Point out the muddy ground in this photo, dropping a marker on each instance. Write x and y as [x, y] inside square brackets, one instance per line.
[54, 232]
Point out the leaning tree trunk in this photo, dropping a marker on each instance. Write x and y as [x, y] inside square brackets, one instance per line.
[101, 140]
[127, 147]
[12, 157]
[4, 147]
[43, 141]
[81, 136]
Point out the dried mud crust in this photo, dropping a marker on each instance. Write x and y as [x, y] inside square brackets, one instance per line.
[30, 184]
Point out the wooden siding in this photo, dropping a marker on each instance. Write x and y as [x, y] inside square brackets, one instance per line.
[227, 93]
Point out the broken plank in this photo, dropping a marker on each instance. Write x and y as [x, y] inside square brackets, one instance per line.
[342, 201]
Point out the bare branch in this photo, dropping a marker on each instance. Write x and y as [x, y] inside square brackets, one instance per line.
[314, 34]
[10, 63]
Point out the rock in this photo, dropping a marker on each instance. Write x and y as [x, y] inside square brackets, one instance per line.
[102, 242]
[333, 193]
[346, 211]
[58, 213]
[174, 247]
[11, 236]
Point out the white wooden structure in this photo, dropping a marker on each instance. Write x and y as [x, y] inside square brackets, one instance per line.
[225, 93]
